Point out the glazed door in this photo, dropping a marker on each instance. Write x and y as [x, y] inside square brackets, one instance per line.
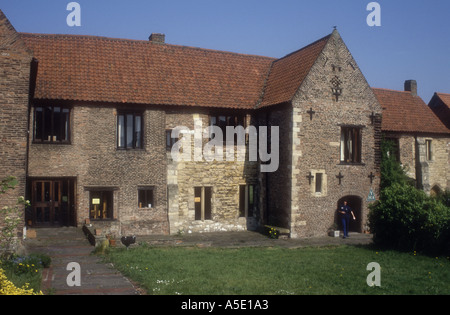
[46, 202]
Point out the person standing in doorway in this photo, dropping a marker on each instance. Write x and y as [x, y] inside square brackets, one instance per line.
[345, 211]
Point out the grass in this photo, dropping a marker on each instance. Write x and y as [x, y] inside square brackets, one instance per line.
[279, 271]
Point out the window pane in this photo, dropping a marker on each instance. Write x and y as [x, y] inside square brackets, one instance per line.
[137, 127]
[145, 197]
[242, 201]
[251, 200]
[101, 205]
[198, 203]
[121, 131]
[208, 196]
[129, 131]
[318, 182]
[65, 124]
[47, 136]
[57, 126]
[38, 123]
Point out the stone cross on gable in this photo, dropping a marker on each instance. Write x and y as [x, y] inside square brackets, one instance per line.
[310, 177]
[311, 113]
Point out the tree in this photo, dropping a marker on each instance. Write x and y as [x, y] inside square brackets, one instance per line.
[391, 169]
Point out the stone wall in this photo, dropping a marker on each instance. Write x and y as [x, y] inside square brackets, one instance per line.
[317, 147]
[427, 174]
[93, 159]
[433, 172]
[15, 70]
[224, 178]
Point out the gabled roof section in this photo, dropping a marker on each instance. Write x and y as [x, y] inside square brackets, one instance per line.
[440, 105]
[404, 112]
[287, 74]
[9, 38]
[99, 69]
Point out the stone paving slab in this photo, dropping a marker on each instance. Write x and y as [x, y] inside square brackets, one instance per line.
[66, 245]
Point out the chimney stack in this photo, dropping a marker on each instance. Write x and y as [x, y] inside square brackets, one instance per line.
[411, 86]
[157, 38]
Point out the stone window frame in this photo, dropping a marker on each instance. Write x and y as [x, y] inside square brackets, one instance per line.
[53, 137]
[101, 194]
[202, 214]
[359, 146]
[135, 145]
[324, 184]
[429, 152]
[170, 141]
[214, 119]
[246, 207]
[143, 197]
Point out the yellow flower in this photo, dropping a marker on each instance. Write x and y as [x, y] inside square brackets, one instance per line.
[8, 288]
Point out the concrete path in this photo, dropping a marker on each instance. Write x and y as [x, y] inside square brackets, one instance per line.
[67, 245]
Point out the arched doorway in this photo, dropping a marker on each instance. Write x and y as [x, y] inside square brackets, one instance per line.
[355, 203]
[435, 191]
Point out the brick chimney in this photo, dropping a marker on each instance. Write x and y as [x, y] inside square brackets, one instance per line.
[157, 38]
[411, 86]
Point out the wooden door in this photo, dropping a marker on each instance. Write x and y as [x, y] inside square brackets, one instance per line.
[46, 202]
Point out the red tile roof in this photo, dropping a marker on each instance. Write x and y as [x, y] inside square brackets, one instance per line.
[404, 112]
[445, 98]
[440, 104]
[288, 73]
[88, 68]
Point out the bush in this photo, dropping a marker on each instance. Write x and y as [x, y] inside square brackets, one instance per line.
[27, 264]
[406, 218]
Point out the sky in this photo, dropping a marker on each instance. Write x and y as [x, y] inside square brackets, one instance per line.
[413, 41]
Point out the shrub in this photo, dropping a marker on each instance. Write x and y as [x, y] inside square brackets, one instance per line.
[27, 264]
[406, 218]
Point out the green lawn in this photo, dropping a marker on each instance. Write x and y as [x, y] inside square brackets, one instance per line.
[271, 271]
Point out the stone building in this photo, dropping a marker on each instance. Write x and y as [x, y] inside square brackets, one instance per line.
[97, 120]
[16, 66]
[440, 105]
[421, 138]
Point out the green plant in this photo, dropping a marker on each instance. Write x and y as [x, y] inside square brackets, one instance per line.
[11, 218]
[274, 233]
[406, 218]
[391, 169]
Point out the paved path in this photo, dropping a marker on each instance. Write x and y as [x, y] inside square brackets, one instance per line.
[66, 245]
[250, 239]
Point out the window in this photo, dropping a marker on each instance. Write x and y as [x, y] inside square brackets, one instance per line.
[318, 183]
[146, 197]
[202, 200]
[247, 200]
[169, 140]
[319, 177]
[224, 121]
[101, 205]
[351, 145]
[51, 124]
[429, 148]
[129, 130]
